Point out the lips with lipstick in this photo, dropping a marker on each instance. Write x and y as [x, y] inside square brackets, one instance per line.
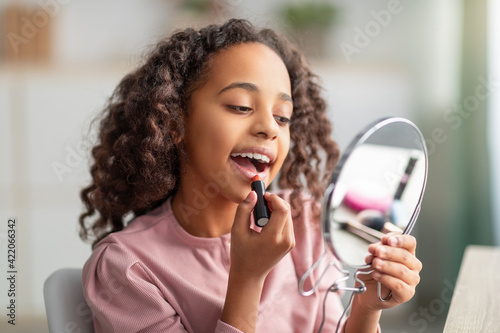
[253, 162]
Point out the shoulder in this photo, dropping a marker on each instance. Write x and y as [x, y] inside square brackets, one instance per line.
[142, 230]
[124, 250]
[117, 285]
[109, 264]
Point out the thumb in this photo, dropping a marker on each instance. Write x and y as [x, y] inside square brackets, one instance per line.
[242, 217]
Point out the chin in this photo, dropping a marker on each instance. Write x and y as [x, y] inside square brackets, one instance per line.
[238, 195]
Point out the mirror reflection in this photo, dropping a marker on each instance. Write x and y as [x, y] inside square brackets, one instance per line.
[376, 189]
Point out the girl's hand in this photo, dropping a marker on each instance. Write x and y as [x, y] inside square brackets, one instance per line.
[254, 254]
[396, 267]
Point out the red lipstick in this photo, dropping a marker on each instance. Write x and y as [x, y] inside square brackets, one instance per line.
[261, 211]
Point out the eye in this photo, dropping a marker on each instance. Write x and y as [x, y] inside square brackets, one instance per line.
[282, 120]
[240, 108]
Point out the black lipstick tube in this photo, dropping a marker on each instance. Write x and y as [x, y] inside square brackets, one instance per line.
[261, 211]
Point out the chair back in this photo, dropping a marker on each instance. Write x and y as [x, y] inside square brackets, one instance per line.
[65, 305]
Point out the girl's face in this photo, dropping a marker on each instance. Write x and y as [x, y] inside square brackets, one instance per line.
[237, 125]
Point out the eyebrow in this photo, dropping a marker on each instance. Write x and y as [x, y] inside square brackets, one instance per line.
[253, 88]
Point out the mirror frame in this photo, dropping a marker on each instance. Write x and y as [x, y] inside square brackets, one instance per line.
[358, 140]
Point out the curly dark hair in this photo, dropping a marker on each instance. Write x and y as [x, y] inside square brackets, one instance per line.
[137, 156]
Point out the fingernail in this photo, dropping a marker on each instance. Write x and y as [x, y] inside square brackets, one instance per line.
[369, 259]
[248, 198]
[393, 241]
[376, 275]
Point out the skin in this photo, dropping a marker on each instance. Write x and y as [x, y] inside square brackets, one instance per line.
[215, 198]
[224, 120]
[397, 268]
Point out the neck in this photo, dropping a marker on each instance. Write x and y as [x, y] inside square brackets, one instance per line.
[201, 215]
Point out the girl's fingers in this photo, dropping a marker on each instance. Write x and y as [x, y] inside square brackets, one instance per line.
[395, 266]
[397, 248]
[397, 255]
[401, 291]
[280, 226]
[396, 270]
[279, 216]
[407, 242]
[242, 218]
[369, 259]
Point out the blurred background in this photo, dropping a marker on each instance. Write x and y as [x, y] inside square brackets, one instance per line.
[436, 62]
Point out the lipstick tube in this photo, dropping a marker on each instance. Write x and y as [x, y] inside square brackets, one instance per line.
[261, 211]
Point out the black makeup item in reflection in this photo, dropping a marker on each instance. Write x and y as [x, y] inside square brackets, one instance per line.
[261, 211]
[404, 179]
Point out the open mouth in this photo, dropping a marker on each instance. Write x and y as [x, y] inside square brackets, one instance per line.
[252, 162]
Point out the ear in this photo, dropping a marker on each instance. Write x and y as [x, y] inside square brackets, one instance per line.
[178, 132]
[176, 137]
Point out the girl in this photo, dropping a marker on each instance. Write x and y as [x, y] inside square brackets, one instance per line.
[179, 144]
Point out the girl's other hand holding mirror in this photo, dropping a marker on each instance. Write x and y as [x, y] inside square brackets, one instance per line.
[396, 267]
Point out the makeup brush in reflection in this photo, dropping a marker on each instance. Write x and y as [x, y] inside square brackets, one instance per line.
[375, 220]
[368, 234]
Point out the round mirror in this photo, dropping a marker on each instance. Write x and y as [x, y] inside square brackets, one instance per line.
[376, 188]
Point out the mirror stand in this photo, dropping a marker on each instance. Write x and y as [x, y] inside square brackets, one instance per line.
[337, 285]
[346, 274]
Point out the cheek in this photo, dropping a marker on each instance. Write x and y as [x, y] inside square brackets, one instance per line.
[216, 136]
[284, 146]
[222, 133]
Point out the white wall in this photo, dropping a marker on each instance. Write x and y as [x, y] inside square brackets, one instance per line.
[44, 120]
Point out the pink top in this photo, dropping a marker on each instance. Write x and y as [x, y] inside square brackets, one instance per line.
[153, 276]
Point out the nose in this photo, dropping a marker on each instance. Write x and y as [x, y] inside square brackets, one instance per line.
[265, 125]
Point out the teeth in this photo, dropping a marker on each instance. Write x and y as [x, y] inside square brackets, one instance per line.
[259, 157]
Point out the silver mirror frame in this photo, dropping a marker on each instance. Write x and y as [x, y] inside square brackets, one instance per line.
[327, 211]
[360, 139]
